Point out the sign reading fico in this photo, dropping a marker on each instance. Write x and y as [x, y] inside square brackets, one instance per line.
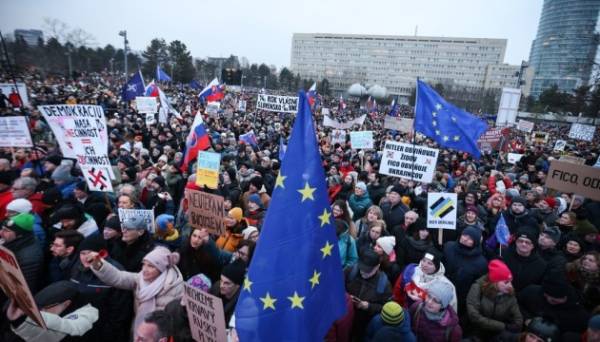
[578, 179]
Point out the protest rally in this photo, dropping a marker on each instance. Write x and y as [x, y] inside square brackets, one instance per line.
[155, 196]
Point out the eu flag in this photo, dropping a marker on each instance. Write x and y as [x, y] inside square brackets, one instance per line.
[502, 233]
[294, 289]
[161, 75]
[134, 87]
[445, 123]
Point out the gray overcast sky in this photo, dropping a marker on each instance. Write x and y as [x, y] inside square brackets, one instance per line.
[261, 30]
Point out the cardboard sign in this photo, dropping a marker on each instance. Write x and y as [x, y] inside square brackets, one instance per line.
[560, 145]
[242, 106]
[212, 108]
[490, 140]
[328, 122]
[205, 211]
[362, 139]
[338, 136]
[572, 160]
[273, 103]
[14, 132]
[513, 158]
[146, 104]
[7, 89]
[207, 170]
[539, 137]
[398, 124]
[151, 119]
[408, 161]
[15, 287]
[441, 210]
[81, 133]
[582, 132]
[578, 179]
[146, 214]
[525, 126]
[205, 314]
[325, 111]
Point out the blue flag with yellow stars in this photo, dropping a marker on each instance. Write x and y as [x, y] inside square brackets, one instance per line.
[445, 123]
[294, 289]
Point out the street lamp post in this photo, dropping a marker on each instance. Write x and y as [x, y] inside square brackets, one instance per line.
[68, 53]
[125, 48]
[242, 82]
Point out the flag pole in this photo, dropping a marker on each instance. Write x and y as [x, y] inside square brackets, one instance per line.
[414, 136]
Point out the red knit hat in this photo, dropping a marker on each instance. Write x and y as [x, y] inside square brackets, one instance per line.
[498, 271]
[551, 202]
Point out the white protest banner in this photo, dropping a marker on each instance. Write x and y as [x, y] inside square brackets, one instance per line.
[513, 158]
[242, 106]
[14, 132]
[560, 145]
[81, 133]
[325, 111]
[441, 210]
[273, 103]
[97, 178]
[525, 126]
[150, 119]
[398, 124]
[146, 104]
[582, 132]
[362, 139]
[212, 108]
[7, 89]
[338, 136]
[328, 122]
[205, 314]
[408, 161]
[147, 215]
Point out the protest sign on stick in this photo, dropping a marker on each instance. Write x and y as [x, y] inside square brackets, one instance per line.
[205, 211]
[205, 315]
[408, 161]
[147, 215]
[14, 132]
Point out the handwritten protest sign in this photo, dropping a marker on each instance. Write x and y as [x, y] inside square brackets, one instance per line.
[408, 161]
[513, 158]
[14, 132]
[146, 104]
[328, 122]
[441, 210]
[205, 211]
[399, 124]
[525, 126]
[362, 139]
[338, 136]
[212, 108]
[15, 287]
[147, 216]
[273, 103]
[207, 170]
[571, 178]
[582, 132]
[242, 106]
[205, 315]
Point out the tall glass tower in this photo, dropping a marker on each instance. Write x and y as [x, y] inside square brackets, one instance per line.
[566, 44]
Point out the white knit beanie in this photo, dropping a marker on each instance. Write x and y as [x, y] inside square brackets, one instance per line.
[387, 243]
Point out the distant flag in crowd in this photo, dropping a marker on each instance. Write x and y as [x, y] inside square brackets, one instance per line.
[294, 288]
[195, 85]
[502, 233]
[341, 105]
[212, 92]
[196, 141]
[134, 87]
[161, 75]
[448, 125]
[249, 138]
[282, 148]
[152, 90]
[312, 95]
[394, 107]
[373, 108]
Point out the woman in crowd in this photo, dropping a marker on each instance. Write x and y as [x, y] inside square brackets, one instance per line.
[373, 213]
[414, 246]
[359, 201]
[158, 283]
[234, 225]
[199, 254]
[375, 230]
[340, 211]
[346, 244]
[434, 319]
[584, 275]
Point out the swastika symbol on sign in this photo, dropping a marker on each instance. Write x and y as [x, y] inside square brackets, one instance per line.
[97, 178]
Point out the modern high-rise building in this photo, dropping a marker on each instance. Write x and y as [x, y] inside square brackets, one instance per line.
[566, 44]
[396, 61]
[31, 37]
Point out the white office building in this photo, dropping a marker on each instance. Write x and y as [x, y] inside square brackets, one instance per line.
[396, 61]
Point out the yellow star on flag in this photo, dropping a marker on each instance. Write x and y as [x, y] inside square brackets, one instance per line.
[307, 192]
[325, 217]
[268, 301]
[314, 280]
[279, 181]
[326, 249]
[296, 301]
[446, 138]
[247, 284]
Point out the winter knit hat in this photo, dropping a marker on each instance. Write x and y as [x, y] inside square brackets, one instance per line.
[56, 293]
[551, 202]
[498, 271]
[162, 258]
[441, 291]
[519, 199]
[254, 198]
[200, 282]
[94, 243]
[21, 223]
[160, 180]
[113, 222]
[164, 222]
[474, 233]
[54, 159]
[433, 256]
[553, 233]
[397, 189]
[387, 243]
[392, 313]
[362, 186]
[70, 212]
[249, 231]
[20, 206]
[585, 227]
[236, 213]
[555, 285]
[235, 271]
[473, 209]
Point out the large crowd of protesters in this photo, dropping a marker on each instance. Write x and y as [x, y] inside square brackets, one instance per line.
[96, 278]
